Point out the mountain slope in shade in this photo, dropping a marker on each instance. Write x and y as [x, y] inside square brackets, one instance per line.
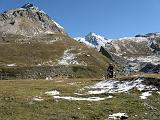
[28, 20]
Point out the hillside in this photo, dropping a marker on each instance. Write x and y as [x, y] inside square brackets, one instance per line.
[27, 54]
[62, 52]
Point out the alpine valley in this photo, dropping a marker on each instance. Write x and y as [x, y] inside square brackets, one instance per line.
[47, 75]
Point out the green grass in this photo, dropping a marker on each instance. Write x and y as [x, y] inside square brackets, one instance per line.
[39, 52]
[31, 53]
[16, 102]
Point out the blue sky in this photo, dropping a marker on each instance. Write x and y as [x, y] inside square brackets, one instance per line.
[110, 18]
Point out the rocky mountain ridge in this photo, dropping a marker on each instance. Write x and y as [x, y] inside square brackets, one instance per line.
[28, 20]
[141, 52]
[134, 53]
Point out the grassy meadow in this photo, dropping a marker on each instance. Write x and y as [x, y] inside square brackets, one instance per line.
[17, 103]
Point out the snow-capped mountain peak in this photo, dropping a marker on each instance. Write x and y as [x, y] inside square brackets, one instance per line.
[82, 40]
[95, 35]
[93, 40]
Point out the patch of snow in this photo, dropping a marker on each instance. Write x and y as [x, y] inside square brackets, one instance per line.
[49, 78]
[96, 92]
[118, 116]
[134, 39]
[158, 92]
[134, 66]
[11, 11]
[109, 97]
[118, 54]
[37, 98]
[142, 87]
[19, 9]
[79, 98]
[59, 81]
[78, 82]
[113, 86]
[148, 59]
[69, 58]
[59, 26]
[118, 49]
[146, 94]
[49, 32]
[137, 63]
[41, 11]
[71, 83]
[78, 94]
[35, 8]
[39, 65]
[48, 63]
[11, 65]
[152, 59]
[81, 39]
[52, 93]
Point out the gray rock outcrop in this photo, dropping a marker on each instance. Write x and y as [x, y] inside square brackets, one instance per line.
[28, 21]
